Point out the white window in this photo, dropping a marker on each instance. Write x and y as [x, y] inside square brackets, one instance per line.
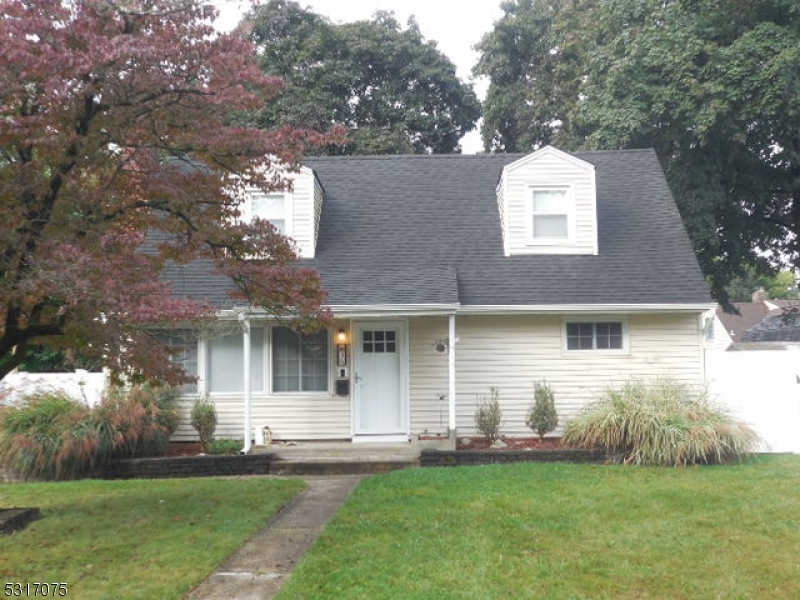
[299, 361]
[602, 335]
[551, 215]
[226, 362]
[709, 330]
[182, 346]
[271, 207]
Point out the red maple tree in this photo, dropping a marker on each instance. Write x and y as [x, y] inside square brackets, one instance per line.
[117, 118]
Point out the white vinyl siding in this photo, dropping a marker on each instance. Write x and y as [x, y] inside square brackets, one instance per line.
[513, 352]
[716, 337]
[307, 198]
[510, 352]
[548, 169]
[428, 381]
[290, 416]
[294, 212]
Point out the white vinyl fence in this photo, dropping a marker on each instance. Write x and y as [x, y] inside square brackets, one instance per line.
[760, 387]
[81, 385]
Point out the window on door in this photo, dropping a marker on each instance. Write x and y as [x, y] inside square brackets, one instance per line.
[378, 342]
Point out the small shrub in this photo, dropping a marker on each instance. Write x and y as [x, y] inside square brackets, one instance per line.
[50, 436]
[488, 416]
[542, 418]
[204, 420]
[660, 422]
[225, 447]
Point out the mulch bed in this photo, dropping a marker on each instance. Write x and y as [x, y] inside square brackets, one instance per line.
[523, 443]
[183, 449]
[14, 519]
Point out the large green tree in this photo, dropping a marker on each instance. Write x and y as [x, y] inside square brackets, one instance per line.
[710, 84]
[394, 91]
[781, 286]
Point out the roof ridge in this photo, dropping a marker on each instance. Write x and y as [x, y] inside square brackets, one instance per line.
[344, 157]
[477, 156]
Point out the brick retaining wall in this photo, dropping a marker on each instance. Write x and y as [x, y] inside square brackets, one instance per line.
[188, 466]
[455, 458]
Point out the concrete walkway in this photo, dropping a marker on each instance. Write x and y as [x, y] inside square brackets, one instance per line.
[259, 568]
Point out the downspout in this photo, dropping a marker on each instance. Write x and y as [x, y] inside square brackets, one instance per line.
[245, 323]
[451, 368]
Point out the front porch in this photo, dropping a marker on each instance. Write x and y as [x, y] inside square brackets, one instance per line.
[344, 457]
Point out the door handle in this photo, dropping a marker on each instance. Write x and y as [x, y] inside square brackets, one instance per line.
[357, 378]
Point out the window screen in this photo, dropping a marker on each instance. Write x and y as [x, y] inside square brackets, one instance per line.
[299, 361]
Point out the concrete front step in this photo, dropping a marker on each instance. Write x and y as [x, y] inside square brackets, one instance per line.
[338, 467]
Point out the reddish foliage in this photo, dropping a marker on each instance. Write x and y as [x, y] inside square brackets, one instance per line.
[93, 96]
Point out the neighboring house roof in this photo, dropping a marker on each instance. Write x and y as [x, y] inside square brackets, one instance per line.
[774, 328]
[415, 229]
[750, 314]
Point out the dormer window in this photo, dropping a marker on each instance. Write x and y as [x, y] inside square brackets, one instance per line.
[552, 215]
[294, 211]
[272, 207]
[547, 203]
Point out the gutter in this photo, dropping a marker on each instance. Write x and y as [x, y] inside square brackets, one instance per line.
[510, 309]
[244, 321]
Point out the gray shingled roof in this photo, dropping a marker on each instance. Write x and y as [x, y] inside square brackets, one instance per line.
[750, 314]
[426, 230]
[774, 328]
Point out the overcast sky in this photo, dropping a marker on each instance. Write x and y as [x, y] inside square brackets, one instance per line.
[455, 25]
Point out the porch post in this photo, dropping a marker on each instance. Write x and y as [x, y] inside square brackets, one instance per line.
[451, 366]
[246, 350]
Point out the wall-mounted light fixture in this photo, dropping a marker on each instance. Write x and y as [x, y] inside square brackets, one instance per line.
[341, 349]
[441, 345]
[342, 380]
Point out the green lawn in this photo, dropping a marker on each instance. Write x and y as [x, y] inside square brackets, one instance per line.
[561, 531]
[148, 539]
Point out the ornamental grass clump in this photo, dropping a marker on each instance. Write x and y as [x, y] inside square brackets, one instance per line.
[660, 422]
[50, 436]
[143, 418]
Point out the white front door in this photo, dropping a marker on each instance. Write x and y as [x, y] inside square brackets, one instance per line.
[379, 379]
